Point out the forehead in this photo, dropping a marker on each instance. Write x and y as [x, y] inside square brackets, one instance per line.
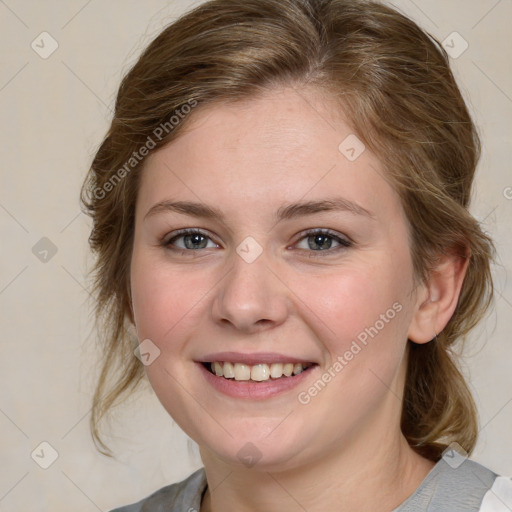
[283, 145]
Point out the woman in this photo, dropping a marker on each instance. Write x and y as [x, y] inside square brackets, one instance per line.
[280, 211]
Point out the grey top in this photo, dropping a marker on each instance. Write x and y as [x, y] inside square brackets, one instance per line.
[448, 487]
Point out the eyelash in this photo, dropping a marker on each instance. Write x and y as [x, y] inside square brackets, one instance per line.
[344, 243]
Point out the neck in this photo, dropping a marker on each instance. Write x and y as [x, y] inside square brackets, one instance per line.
[378, 476]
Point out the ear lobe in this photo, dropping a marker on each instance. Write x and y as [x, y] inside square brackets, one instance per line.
[438, 297]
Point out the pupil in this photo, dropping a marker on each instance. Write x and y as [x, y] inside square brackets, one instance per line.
[192, 241]
[321, 241]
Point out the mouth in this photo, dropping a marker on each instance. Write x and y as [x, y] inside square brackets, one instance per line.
[256, 375]
[260, 372]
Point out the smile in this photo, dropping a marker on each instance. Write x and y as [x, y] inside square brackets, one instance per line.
[258, 372]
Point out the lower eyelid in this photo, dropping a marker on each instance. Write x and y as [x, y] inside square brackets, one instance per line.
[343, 242]
[167, 239]
[170, 242]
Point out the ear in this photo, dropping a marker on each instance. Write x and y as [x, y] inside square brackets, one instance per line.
[437, 298]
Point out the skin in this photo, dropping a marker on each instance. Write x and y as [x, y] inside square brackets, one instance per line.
[344, 449]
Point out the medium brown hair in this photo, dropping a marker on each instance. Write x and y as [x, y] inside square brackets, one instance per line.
[393, 83]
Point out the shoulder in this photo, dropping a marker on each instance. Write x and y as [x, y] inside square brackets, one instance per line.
[499, 497]
[184, 496]
[454, 483]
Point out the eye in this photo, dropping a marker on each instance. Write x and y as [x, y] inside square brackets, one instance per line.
[190, 239]
[323, 240]
[318, 240]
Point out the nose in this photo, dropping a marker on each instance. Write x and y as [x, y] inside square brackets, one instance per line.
[251, 297]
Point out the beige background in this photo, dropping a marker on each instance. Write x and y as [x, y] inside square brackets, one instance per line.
[54, 113]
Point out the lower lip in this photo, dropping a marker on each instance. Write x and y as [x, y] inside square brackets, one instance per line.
[254, 390]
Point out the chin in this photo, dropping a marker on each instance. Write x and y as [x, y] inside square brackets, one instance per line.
[258, 452]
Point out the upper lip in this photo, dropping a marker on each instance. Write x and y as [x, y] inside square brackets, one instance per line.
[252, 358]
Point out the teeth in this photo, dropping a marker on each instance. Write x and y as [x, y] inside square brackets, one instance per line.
[242, 371]
[276, 370]
[217, 368]
[258, 372]
[229, 371]
[288, 369]
[297, 368]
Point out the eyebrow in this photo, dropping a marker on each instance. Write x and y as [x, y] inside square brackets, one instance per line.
[285, 212]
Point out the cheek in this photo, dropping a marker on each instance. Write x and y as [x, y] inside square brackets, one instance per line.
[349, 304]
[166, 302]
[168, 307]
[362, 324]
[361, 318]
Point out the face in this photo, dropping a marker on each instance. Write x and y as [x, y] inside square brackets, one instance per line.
[295, 250]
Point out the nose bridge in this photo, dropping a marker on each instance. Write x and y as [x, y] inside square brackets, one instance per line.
[250, 296]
